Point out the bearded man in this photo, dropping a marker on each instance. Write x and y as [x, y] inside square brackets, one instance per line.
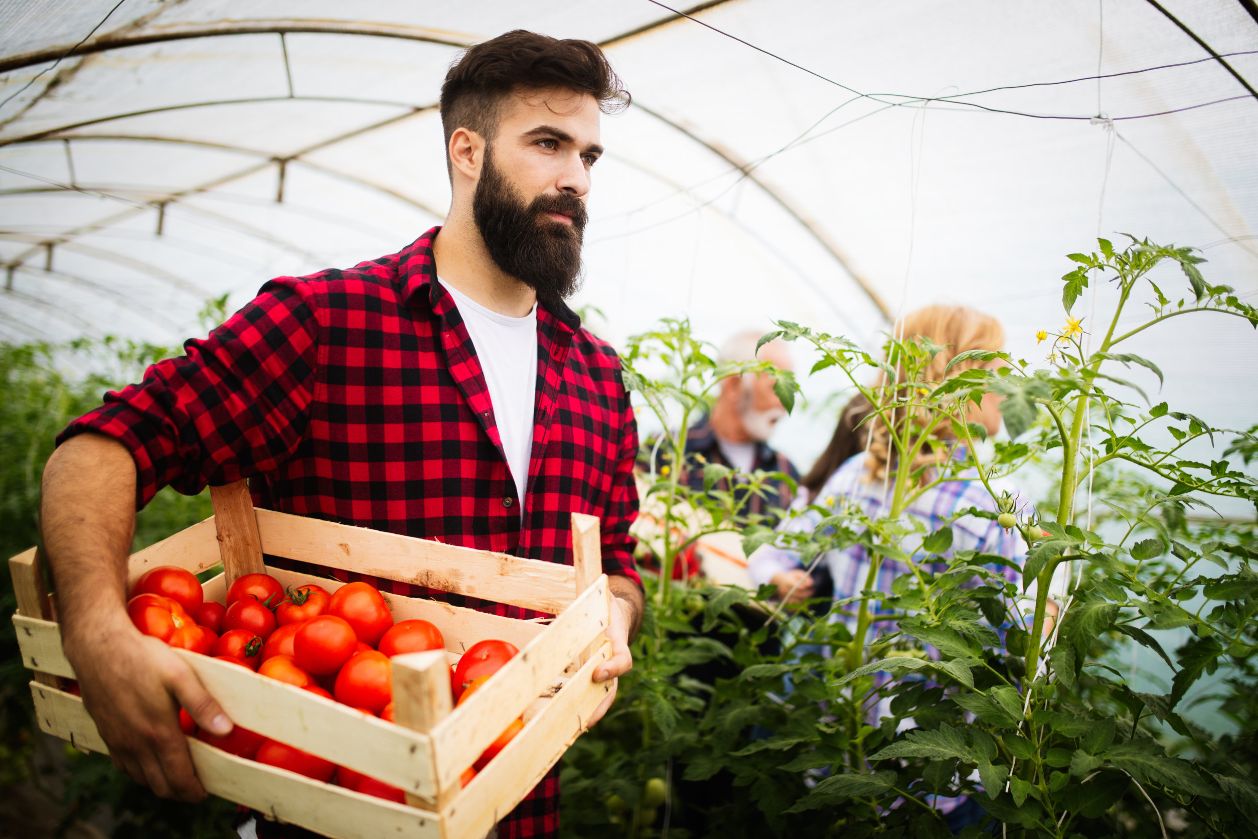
[736, 433]
[443, 392]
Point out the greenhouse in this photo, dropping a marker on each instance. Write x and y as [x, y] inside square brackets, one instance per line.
[889, 417]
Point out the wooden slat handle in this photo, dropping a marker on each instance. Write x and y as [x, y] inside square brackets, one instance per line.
[587, 553]
[27, 570]
[421, 699]
[238, 541]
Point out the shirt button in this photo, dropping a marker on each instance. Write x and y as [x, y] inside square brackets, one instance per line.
[508, 501]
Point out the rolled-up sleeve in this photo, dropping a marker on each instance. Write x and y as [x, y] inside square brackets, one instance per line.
[234, 405]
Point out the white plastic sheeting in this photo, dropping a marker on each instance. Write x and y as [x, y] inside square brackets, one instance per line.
[825, 162]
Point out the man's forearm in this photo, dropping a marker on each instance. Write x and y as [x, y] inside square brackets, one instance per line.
[87, 517]
[628, 593]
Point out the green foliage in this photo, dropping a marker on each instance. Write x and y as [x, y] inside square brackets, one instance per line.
[1043, 723]
[43, 387]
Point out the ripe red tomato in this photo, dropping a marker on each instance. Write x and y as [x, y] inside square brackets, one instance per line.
[387, 713]
[366, 681]
[359, 782]
[365, 610]
[468, 774]
[241, 644]
[157, 615]
[280, 642]
[274, 753]
[193, 636]
[313, 688]
[210, 615]
[186, 723]
[323, 644]
[483, 658]
[241, 741]
[302, 604]
[411, 636]
[284, 669]
[179, 584]
[233, 660]
[249, 614]
[491, 751]
[261, 587]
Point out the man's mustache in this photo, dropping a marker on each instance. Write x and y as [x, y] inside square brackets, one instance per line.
[564, 204]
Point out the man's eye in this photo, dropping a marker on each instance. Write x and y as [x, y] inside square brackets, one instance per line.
[590, 159]
[548, 144]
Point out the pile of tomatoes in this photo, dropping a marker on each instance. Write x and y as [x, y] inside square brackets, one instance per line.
[338, 645]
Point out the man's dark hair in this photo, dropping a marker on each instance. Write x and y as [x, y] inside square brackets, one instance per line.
[478, 82]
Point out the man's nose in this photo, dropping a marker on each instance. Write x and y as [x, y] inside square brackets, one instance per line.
[574, 178]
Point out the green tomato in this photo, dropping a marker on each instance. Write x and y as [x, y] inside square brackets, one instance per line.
[615, 804]
[1007, 520]
[654, 793]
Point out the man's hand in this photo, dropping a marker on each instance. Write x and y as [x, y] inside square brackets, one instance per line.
[133, 686]
[793, 586]
[626, 615]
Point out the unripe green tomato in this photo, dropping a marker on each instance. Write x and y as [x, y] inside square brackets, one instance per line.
[615, 804]
[693, 604]
[1007, 520]
[654, 793]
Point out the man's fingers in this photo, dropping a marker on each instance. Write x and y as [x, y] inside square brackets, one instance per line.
[603, 706]
[177, 771]
[619, 664]
[196, 700]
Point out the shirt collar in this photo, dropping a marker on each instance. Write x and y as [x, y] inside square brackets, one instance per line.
[417, 271]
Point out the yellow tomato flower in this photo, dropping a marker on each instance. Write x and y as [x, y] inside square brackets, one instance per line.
[1072, 328]
[664, 470]
[1040, 336]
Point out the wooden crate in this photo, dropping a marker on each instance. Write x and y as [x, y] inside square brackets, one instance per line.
[549, 682]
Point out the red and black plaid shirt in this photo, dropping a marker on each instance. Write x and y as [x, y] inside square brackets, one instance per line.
[356, 396]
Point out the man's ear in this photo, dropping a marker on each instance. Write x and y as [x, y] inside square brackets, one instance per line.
[467, 152]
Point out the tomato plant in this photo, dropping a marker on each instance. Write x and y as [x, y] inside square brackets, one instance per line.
[366, 681]
[411, 636]
[363, 607]
[250, 614]
[179, 584]
[261, 587]
[302, 604]
[322, 645]
[483, 658]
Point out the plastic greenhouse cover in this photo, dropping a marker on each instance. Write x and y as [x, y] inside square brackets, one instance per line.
[832, 163]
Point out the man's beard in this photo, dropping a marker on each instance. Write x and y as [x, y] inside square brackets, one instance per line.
[543, 254]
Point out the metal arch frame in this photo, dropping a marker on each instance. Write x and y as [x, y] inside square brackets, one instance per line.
[243, 150]
[145, 312]
[110, 43]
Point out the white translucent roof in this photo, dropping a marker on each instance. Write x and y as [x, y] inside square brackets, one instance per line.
[828, 163]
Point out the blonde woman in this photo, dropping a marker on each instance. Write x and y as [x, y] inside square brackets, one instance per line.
[865, 481]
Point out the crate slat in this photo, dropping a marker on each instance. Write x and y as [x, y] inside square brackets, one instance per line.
[504, 782]
[460, 738]
[533, 584]
[320, 726]
[194, 548]
[461, 627]
[329, 809]
[40, 643]
[237, 529]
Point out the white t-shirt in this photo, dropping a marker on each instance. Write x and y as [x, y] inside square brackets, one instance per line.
[507, 350]
[742, 456]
